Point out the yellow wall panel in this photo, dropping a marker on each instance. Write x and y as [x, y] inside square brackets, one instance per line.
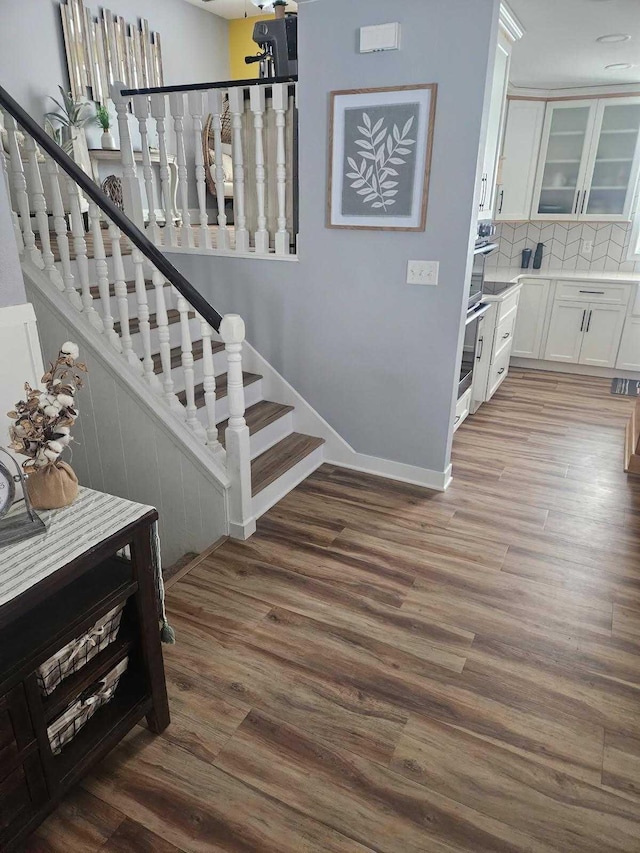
[241, 44]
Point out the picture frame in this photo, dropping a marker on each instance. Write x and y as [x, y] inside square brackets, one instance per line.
[380, 149]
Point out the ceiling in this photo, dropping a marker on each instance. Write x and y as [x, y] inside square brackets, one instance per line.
[233, 8]
[560, 50]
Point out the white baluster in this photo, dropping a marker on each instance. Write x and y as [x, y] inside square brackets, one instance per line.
[80, 250]
[280, 104]
[131, 194]
[102, 274]
[38, 201]
[14, 215]
[158, 111]
[141, 111]
[188, 367]
[222, 237]
[20, 189]
[143, 318]
[236, 105]
[237, 435]
[164, 341]
[196, 108]
[257, 103]
[62, 239]
[176, 107]
[122, 301]
[209, 386]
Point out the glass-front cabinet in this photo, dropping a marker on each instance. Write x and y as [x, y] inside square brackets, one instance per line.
[589, 159]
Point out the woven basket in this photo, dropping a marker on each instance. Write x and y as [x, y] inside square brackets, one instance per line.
[65, 727]
[78, 652]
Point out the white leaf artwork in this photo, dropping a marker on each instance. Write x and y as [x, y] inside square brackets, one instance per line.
[379, 150]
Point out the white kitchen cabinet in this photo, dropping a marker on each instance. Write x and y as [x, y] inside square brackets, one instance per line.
[517, 166]
[566, 329]
[495, 124]
[629, 354]
[589, 160]
[494, 345]
[532, 310]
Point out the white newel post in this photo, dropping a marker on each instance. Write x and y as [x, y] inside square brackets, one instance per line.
[280, 103]
[131, 194]
[222, 238]
[257, 103]
[196, 108]
[62, 239]
[241, 519]
[236, 105]
[158, 111]
[176, 107]
[141, 111]
[20, 189]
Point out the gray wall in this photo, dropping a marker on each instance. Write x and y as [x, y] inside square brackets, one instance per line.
[11, 281]
[376, 357]
[32, 62]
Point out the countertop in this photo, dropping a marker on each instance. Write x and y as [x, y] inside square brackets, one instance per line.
[513, 274]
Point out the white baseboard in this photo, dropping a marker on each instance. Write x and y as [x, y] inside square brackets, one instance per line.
[439, 481]
[577, 369]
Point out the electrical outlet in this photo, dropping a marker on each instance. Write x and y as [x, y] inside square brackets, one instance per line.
[423, 272]
[587, 247]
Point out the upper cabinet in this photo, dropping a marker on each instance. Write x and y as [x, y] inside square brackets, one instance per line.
[587, 154]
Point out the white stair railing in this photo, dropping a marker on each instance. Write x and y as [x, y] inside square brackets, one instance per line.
[110, 255]
[251, 166]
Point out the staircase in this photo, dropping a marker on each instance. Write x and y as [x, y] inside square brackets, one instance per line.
[127, 304]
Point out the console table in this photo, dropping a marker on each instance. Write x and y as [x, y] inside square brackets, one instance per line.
[113, 157]
[53, 589]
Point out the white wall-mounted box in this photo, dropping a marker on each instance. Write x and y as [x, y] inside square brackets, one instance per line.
[379, 37]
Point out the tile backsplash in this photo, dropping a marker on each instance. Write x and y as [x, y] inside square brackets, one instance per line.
[563, 245]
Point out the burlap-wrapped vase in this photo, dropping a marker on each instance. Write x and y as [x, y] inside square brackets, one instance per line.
[52, 487]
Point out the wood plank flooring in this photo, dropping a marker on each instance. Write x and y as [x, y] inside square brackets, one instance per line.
[383, 668]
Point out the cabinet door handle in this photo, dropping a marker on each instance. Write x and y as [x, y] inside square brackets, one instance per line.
[506, 335]
[593, 292]
[575, 207]
[589, 320]
[481, 347]
[501, 371]
[501, 201]
[457, 419]
[584, 317]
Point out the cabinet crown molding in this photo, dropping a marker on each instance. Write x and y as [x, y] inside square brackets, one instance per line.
[509, 24]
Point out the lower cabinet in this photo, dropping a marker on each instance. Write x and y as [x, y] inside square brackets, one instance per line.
[629, 354]
[584, 333]
[532, 309]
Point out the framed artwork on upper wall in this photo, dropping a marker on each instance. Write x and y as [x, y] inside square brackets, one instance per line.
[380, 143]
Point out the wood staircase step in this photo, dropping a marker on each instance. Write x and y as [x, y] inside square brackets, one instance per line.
[273, 463]
[173, 316]
[176, 355]
[131, 288]
[221, 388]
[258, 417]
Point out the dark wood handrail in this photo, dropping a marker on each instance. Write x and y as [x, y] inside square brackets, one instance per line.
[93, 191]
[200, 87]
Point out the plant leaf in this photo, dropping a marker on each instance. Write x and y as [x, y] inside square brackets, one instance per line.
[367, 155]
[365, 191]
[389, 185]
[367, 177]
[390, 193]
[378, 204]
[371, 197]
[366, 120]
[389, 146]
[353, 175]
[397, 161]
[377, 126]
[362, 143]
[357, 184]
[352, 163]
[380, 137]
[407, 126]
[363, 130]
[403, 150]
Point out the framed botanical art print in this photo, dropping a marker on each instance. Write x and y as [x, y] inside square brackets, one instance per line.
[380, 157]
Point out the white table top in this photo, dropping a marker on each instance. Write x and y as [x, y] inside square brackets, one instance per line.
[91, 518]
[513, 274]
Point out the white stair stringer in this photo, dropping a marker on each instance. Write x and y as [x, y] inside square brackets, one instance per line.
[128, 440]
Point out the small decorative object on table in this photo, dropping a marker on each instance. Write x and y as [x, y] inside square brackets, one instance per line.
[104, 120]
[537, 258]
[42, 429]
[526, 259]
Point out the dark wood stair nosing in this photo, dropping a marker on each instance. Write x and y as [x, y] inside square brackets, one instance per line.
[282, 457]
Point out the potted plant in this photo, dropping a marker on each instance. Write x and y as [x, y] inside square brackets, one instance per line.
[104, 120]
[41, 430]
[69, 121]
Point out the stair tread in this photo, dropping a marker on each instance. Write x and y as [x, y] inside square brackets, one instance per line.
[173, 316]
[131, 288]
[258, 416]
[273, 463]
[176, 355]
[221, 388]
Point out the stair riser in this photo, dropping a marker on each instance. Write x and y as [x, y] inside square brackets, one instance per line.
[269, 496]
[266, 438]
[252, 394]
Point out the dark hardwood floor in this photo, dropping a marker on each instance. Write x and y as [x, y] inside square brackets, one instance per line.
[382, 668]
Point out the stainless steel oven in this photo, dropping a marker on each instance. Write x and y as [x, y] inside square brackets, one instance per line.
[472, 347]
[482, 250]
